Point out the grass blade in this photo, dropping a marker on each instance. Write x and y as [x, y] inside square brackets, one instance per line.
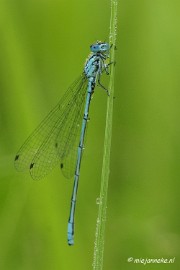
[102, 201]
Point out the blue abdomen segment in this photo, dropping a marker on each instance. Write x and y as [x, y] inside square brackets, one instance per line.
[70, 233]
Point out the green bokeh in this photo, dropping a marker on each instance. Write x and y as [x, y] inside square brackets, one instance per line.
[43, 47]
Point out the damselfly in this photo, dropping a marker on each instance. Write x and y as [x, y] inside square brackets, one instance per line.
[60, 136]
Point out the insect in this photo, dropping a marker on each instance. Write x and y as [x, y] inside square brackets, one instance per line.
[60, 136]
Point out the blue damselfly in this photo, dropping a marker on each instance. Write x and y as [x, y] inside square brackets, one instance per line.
[60, 136]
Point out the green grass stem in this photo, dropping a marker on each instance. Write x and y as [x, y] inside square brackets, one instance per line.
[102, 201]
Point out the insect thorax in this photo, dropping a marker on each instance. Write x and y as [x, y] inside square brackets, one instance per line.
[92, 65]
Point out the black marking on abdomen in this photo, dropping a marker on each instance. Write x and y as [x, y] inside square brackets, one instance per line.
[85, 118]
[61, 165]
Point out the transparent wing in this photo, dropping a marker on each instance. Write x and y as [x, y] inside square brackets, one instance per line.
[46, 146]
[68, 161]
[68, 164]
[60, 144]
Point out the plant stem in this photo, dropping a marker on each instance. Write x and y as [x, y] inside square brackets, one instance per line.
[102, 200]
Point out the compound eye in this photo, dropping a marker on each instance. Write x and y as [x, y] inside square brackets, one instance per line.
[94, 48]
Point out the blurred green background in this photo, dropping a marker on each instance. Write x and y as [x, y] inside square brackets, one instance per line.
[43, 47]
